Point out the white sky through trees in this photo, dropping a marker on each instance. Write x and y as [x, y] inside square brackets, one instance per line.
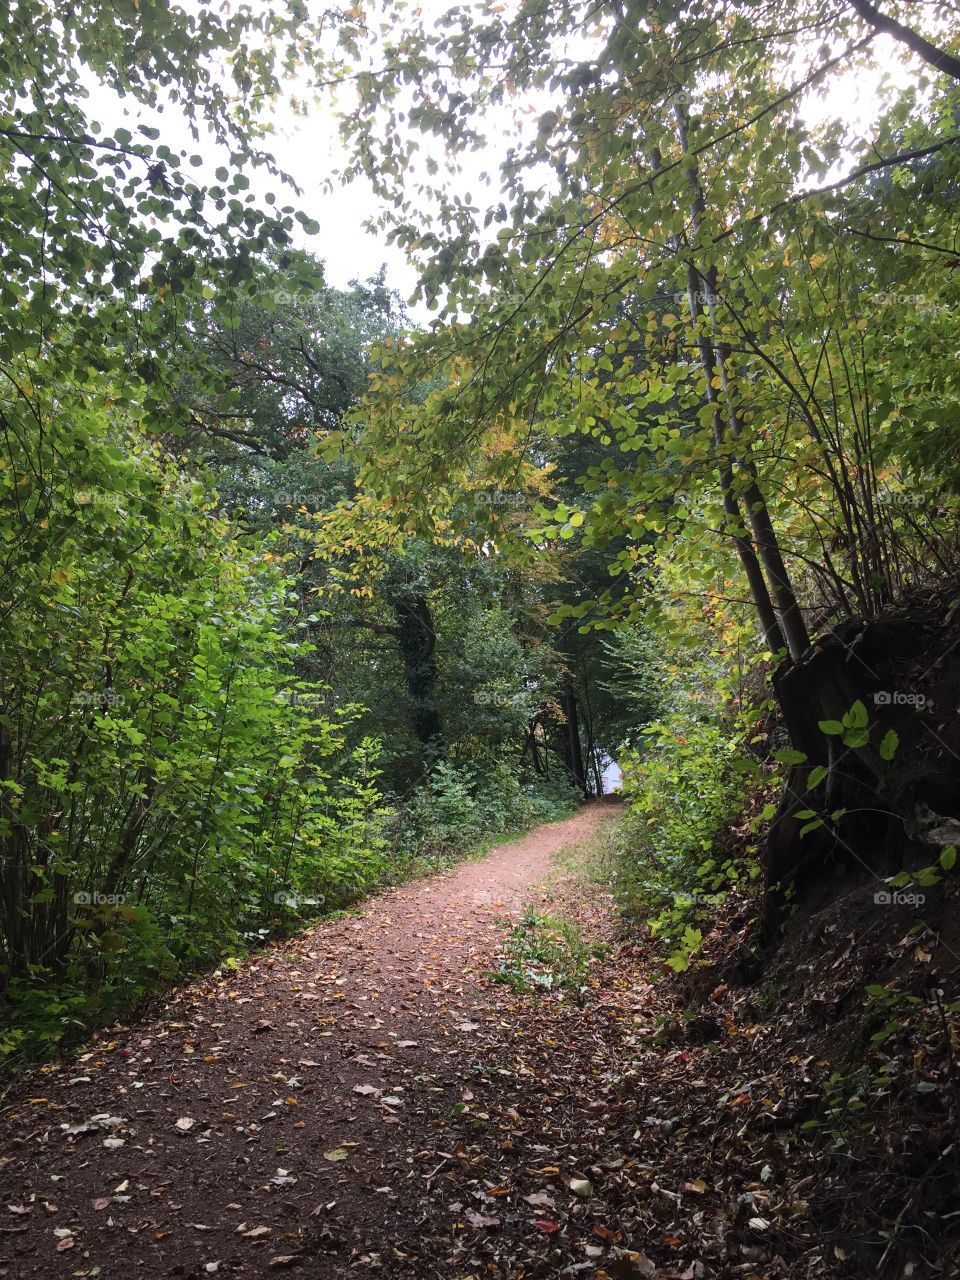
[307, 146]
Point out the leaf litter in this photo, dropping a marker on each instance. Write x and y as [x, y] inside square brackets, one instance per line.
[609, 1135]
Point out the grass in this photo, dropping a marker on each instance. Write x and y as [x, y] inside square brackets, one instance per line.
[545, 953]
[593, 859]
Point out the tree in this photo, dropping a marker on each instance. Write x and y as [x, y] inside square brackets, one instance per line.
[161, 779]
[764, 421]
[392, 618]
[110, 245]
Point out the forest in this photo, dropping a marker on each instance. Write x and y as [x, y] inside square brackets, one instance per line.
[479, 739]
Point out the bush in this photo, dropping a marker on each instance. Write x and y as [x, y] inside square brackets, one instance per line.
[462, 808]
[166, 784]
[684, 789]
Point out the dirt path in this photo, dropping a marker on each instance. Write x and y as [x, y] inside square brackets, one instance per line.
[292, 1114]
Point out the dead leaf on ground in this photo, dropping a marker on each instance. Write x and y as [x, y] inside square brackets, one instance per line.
[340, 1153]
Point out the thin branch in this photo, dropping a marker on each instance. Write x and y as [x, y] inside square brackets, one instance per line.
[938, 58]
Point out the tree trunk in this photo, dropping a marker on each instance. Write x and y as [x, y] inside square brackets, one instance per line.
[417, 641]
[572, 746]
[868, 804]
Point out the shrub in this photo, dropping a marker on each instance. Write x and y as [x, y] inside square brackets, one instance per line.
[684, 789]
[164, 779]
[461, 808]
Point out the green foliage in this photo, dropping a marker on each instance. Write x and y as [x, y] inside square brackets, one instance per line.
[853, 730]
[875, 1083]
[460, 810]
[685, 785]
[166, 780]
[683, 790]
[633, 679]
[107, 229]
[545, 953]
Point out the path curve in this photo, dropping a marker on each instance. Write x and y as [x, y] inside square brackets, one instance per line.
[268, 1118]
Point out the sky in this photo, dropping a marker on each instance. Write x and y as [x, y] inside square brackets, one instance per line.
[309, 149]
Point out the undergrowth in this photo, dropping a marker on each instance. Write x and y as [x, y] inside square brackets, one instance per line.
[545, 953]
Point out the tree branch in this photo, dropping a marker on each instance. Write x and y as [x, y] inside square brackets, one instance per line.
[938, 58]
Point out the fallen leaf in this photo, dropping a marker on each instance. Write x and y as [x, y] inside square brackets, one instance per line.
[340, 1153]
[630, 1264]
[481, 1219]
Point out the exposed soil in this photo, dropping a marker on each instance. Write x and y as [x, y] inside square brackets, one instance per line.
[209, 1157]
[365, 1102]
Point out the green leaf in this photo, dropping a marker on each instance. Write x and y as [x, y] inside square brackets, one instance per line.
[888, 747]
[889, 1029]
[856, 717]
[927, 876]
[948, 858]
[816, 776]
